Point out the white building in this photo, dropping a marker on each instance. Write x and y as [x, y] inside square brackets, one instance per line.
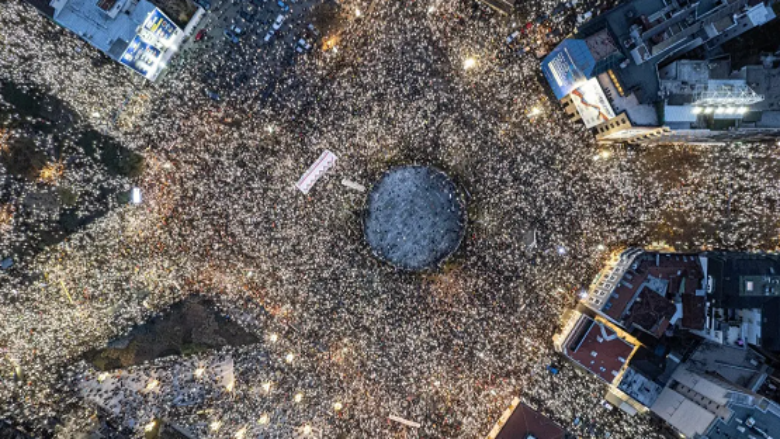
[135, 33]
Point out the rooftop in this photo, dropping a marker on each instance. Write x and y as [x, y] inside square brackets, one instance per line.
[634, 299]
[766, 416]
[598, 348]
[89, 21]
[526, 421]
[639, 387]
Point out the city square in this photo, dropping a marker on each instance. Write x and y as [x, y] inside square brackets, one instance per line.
[347, 340]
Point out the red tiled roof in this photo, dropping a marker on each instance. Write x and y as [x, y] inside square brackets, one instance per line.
[526, 421]
[650, 312]
[672, 268]
[599, 350]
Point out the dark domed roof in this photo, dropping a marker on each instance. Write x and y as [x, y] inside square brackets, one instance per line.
[416, 217]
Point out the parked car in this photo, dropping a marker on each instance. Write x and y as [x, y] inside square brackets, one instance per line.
[237, 31]
[212, 95]
[512, 37]
[283, 5]
[552, 369]
[302, 43]
[313, 29]
[269, 36]
[279, 20]
[205, 4]
[231, 36]
[200, 35]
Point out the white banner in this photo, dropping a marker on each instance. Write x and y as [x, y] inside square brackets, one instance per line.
[318, 169]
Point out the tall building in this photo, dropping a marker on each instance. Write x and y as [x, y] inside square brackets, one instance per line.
[135, 33]
[617, 74]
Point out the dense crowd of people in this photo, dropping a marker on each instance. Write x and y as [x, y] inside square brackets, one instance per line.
[347, 339]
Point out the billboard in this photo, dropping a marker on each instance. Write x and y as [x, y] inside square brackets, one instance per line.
[160, 26]
[591, 103]
[141, 57]
[569, 64]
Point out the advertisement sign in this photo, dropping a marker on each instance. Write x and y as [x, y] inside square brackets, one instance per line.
[567, 65]
[160, 26]
[591, 103]
[141, 57]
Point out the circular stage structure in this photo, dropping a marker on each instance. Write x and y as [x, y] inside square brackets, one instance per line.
[416, 217]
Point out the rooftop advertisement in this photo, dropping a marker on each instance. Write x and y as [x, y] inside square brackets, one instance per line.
[142, 57]
[591, 103]
[568, 65]
[160, 26]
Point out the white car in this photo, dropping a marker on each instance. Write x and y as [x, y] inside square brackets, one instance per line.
[512, 37]
[279, 20]
[302, 43]
[268, 36]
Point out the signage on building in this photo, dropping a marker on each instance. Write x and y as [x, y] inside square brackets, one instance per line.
[142, 57]
[159, 26]
[568, 65]
[591, 103]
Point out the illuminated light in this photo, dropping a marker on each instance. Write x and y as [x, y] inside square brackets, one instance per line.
[199, 371]
[335, 49]
[298, 397]
[561, 250]
[270, 129]
[150, 426]
[431, 10]
[601, 247]
[103, 376]
[720, 110]
[709, 110]
[230, 385]
[469, 63]
[307, 429]
[215, 425]
[95, 114]
[267, 387]
[744, 110]
[583, 294]
[358, 13]
[135, 195]
[51, 172]
[437, 383]
[337, 406]
[152, 385]
[289, 357]
[605, 154]
[697, 110]
[241, 433]
[273, 337]
[263, 419]
[535, 112]
[596, 157]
